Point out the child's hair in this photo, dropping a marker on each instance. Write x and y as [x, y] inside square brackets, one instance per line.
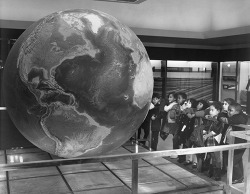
[156, 95]
[174, 95]
[205, 104]
[229, 100]
[193, 102]
[182, 94]
[236, 106]
[217, 105]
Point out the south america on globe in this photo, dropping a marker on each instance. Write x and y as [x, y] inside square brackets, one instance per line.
[78, 83]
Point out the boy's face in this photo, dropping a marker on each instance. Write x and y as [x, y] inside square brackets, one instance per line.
[155, 100]
[180, 99]
[199, 106]
[232, 111]
[213, 111]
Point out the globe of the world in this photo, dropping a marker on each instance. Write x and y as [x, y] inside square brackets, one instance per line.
[78, 83]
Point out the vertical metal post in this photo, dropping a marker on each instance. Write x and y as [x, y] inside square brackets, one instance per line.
[247, 173]
[230, 166]
[136, 146]
[215, 74]
[150, 136]
[135, 171]
[237, 80]
[163, 76]
[133, 138]
[134, 176]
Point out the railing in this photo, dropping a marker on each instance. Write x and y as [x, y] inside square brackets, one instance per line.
[111, 158]
[134, 157]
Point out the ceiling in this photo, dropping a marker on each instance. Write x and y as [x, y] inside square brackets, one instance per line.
[215, 24]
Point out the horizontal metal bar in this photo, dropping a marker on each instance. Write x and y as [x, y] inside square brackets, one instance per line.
[239, 125]
[242, 126]
[119, 157]
[142, 140]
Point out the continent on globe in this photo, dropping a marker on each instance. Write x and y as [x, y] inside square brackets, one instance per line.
[78, 83]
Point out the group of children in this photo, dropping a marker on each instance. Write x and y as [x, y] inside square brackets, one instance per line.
[197, 124]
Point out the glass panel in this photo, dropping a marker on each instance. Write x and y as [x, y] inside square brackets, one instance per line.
[192, 77]
[228, 80]
[158, 67]
[244, 85]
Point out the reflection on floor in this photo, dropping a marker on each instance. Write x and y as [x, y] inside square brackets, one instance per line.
[157, 175]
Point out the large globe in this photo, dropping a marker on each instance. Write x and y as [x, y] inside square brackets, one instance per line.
[78, 83]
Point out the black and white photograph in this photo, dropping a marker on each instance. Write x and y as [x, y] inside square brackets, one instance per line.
[124, 97]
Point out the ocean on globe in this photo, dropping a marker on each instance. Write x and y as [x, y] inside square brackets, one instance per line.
[78, 83]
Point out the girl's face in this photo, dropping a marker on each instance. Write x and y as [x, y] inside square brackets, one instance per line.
[188, 104]
[180, 99]
[225, 106]
[199, 106]
[171, 98]
[213, 111]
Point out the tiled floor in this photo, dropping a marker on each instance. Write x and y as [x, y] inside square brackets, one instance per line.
[156, 175]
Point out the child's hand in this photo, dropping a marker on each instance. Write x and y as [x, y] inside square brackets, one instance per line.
[151, 106]
[183, 107]
[205, 137]
[190, 115]
[153, 117]
[223, 119]
[208, 117]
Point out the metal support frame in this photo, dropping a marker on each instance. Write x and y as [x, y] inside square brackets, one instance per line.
[237, 80]
[231, 188]
[230, 166]
[136, 156]
[132, 156]
[150, 136]
[247, 173]
[134, 176]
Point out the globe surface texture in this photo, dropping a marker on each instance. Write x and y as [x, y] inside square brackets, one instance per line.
[78, 83]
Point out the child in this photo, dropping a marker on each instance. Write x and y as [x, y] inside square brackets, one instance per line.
[145, 126]
[226, 103]
[186, 126]
[172, 110]
[236, 116]
[156, 120]
[196, 138]
[211, 137]
[181, 98]
[146, 123]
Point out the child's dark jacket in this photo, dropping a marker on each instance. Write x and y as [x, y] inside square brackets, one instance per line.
[237, 119]
[156, 124]
[215, 127]
[185, 125]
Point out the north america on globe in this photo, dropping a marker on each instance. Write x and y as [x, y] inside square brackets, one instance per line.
[78, 83]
